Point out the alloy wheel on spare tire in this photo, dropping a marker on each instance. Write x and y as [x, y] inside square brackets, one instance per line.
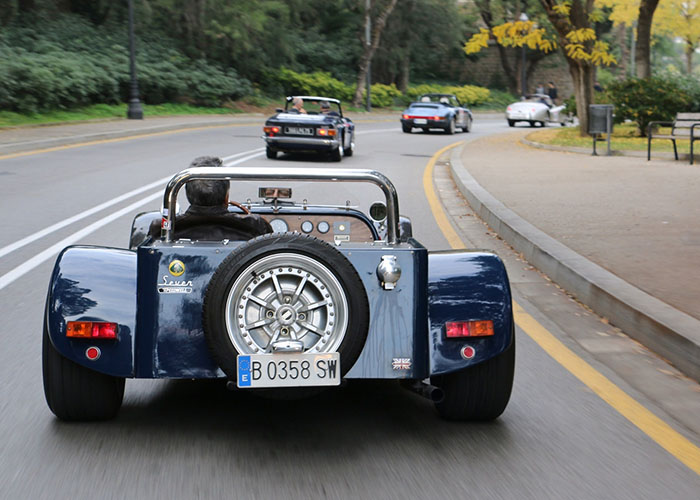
[285, 289]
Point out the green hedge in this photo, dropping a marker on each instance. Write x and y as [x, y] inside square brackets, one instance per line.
[41, 70]
[469, 95]
[646, 100]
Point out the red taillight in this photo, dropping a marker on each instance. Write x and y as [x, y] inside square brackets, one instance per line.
[438, 118]
[271, 130]
[91, 330]
[326, 132]
[533, 109]
[508, 108]
[455, 329]
[405, 117]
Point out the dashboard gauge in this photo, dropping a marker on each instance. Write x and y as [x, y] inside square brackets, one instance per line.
[279, 226]
[307, 226]
[323, 227]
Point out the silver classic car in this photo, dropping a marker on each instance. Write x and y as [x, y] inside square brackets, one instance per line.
[443, 111]
[536, 109]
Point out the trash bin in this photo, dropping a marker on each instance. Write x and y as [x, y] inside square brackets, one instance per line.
[600, 121]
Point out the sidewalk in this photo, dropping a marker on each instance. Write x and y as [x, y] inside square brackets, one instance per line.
[632, 229]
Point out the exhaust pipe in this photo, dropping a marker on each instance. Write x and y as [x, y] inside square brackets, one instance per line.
[431, 392]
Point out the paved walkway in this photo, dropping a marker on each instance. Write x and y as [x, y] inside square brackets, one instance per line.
[638, 219]
[619, 233]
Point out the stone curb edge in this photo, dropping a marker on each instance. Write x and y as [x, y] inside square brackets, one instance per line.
[667, 331]
[602, 149]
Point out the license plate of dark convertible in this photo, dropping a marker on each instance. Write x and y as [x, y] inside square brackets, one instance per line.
[299, 130]
[288, 370]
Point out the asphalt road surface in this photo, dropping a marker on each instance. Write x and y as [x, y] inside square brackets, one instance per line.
[186, 439]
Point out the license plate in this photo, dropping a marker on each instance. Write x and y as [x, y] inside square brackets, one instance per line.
[288, 370]
[420, 121]
[299, 130]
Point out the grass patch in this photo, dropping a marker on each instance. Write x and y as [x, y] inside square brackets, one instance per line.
[106, 111]
[624, 137]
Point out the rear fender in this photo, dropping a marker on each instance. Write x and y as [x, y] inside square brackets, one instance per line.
[94, 284]
[466, 286]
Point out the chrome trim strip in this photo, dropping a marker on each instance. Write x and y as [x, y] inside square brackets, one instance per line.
[284, 173]
[300, 140]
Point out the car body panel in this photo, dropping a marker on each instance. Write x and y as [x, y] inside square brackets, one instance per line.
[159, 311]
[452, 110]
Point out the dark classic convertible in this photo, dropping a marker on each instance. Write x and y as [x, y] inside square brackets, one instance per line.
[333, 293]
[310, 124]
[443, 111]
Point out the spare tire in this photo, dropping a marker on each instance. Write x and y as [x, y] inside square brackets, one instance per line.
[285, 288]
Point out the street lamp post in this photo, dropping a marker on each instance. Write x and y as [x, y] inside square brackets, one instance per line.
[135, 111]
[523, 64]
[369, 63]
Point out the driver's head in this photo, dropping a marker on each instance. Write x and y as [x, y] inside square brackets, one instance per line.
[207, 193]
[325, 106]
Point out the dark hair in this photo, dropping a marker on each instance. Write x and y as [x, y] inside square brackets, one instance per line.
[206, 193]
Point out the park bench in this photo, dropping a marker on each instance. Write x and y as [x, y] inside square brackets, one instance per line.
[682, 128]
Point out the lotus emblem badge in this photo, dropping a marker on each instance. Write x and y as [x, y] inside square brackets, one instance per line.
[176, 268]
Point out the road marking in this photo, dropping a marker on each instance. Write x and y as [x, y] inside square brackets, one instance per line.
[651, 425]
[59, 225]
[43, 256]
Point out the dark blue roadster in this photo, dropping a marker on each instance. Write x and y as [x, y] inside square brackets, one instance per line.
[443, 111]
[310, 124]
[333, 293]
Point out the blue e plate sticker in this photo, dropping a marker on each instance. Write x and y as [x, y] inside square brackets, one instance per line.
[244, 371]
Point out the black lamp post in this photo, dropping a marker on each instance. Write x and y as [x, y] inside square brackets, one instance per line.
[135, 111]
[523, 78]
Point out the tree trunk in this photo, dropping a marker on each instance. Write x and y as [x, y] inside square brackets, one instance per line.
[621, 39]
[582, 74]
[689, 51]
[366, 58]
[405, 75]
[642, 56]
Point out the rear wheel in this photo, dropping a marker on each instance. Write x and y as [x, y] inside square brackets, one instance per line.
[468, 126]
[350, 150]
[337, 153]
[406, 128]
[271, 153]
[451, 127]
[480, 392]
[532, 123]
[284, 290]
[511, 123]
[74, 392]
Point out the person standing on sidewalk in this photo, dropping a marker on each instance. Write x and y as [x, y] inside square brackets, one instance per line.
[552, 92]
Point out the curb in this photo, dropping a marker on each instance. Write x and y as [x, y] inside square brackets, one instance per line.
[667, 331]
[613, 152]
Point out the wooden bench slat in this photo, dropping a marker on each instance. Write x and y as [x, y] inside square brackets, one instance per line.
[688, 116]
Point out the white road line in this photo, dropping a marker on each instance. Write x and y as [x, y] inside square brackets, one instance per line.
[42, 257]
[66, 222]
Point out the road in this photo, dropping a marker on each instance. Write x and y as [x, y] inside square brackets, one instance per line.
[557, 439]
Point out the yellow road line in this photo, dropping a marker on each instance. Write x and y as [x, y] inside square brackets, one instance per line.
[654, 427]
[117, 139]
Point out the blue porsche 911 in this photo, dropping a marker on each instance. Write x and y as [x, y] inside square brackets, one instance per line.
[443, 111]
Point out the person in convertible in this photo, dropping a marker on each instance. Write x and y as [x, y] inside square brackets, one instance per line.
[208, 218]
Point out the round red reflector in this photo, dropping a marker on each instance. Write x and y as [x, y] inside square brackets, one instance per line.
[92, 353]
[468, 352]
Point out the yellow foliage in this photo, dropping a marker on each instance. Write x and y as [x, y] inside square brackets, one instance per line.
[580, 35]
[623, 11]
[563, 9]
[678, 18]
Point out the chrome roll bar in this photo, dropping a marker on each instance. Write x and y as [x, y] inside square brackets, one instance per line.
[277, 173]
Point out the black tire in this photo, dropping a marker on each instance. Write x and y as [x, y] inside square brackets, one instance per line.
[563, 124]
[337, 154]
[271, 153]
[468, 127]
[451, 127]
[349, 151]
[75, 393]
[532, 124]
[406, 128]
[480, 392]
[214, 309]
[511, 123]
